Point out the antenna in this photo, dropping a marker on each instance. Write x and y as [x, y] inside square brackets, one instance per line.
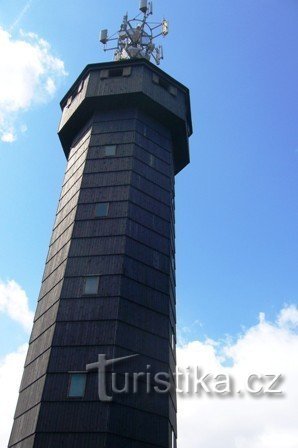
[143, 6]
[104, 36]
[135, 38]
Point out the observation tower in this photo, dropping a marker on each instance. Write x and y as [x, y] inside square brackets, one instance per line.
[108, 289]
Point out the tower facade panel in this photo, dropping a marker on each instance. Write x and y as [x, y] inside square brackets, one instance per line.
[109, 281]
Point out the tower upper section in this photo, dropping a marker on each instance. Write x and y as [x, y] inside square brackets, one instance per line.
[137, 82]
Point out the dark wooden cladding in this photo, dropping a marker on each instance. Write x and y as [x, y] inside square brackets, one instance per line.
[131, 250]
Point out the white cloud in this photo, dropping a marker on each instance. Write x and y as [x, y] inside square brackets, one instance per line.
[50, 86]
[244, 421]
[11, 369]
[14, 302]
[29, 74]
[8, 137]
[288, 317]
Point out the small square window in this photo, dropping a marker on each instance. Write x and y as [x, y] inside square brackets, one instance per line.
[101, 209]
[173, 90]
[81, 86]
[77, 385]
[91, 285]
[110, 150]
[115, 72]
[151, 160]
[173, 441]
[164, 83]
[173, 340]
[69, 101]
[173, 263]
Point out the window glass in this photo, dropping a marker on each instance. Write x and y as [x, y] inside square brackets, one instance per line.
[77, 385]
[69, 101]
[101, 209]
[81, 85]
[91, 285]
[173, 342]
[110, 150]
[115, 72]
[173, 445]
[173, 263]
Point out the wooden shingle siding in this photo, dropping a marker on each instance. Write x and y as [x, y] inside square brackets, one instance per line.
[35, 370]
[108, 286]
[123, 150]
[45, 321]
[131, 250]
[149, 203]
[104, 165]
[30, 397]
[104, 194]
[117, 209]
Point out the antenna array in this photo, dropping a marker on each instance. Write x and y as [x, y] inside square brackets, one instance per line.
[135, 38]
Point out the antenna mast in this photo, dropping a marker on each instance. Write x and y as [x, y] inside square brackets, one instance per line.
[135, 39]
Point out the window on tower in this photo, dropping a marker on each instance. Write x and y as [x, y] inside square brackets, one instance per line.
[110, 150]
[101, 209]
[115, 72]
[151, 160]
[173, 441]
[91, 285]
[173, 262]
[172, 338]
[69, 101]
[81, 86]
[165, 84]
[77, 385]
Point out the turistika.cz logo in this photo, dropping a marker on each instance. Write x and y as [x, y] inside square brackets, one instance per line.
[187, 382]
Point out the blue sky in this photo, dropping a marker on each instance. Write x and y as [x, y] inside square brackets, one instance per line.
[237, 213]
[236, 203]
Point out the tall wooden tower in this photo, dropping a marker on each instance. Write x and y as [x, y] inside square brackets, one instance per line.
[109, 280]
